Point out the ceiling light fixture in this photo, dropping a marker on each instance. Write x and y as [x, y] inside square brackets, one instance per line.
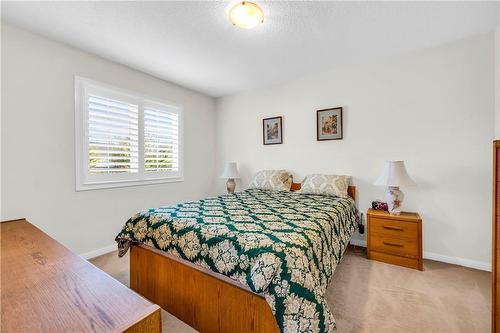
[246, 15]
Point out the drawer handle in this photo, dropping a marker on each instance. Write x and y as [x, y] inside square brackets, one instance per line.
[390, 227]
[393, 244]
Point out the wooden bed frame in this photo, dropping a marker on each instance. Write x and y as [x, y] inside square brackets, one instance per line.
[205, 300]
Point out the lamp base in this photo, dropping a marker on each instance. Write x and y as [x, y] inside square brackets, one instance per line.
[394, 198]
[230, 185]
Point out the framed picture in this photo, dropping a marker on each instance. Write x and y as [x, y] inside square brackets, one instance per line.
[329, 124]
[272, 131]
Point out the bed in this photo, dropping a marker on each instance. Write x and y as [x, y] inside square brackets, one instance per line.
[253, 261]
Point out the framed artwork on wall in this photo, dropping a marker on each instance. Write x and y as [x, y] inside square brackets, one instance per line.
[329, 124]
[272, 131]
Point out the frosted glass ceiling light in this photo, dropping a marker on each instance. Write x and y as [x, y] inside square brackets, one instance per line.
[246, 15]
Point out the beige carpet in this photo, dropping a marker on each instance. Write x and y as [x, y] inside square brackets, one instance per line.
[369, 296]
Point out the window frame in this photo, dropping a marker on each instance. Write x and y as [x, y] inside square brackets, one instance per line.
[86, 181]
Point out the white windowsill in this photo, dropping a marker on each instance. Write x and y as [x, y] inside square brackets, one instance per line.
[126, 183]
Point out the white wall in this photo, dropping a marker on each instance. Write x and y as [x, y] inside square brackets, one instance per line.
[38, 168]
[497, 83]
[433, 108]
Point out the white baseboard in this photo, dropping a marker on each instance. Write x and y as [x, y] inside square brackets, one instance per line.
[358, 242]
[484, 266]
[99, 252]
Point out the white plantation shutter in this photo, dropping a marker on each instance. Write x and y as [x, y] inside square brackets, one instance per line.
[124, 139]
[113, 136]
[161, 140]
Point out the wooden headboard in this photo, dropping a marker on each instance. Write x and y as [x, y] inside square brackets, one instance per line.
[351, 190]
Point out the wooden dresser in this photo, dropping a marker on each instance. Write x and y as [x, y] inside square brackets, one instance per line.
[47, 288]
[395, 239]
[495, 258]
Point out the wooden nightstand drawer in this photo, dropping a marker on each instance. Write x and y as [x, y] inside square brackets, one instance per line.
[393, 228]
[399, 246]
[395, 239]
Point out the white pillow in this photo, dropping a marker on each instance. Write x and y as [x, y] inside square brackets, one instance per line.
[277, 180]
[325, 184]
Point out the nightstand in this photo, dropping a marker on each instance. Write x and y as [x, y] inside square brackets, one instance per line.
[395, 240]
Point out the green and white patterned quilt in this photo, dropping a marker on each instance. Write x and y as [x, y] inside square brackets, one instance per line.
[283, 245]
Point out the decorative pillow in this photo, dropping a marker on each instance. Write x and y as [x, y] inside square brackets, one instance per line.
[277, 180]
[325, 184]
[288, 180]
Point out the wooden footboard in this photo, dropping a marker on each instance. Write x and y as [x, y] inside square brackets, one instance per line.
[205, 300]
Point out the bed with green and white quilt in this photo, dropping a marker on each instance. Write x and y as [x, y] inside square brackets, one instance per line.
[282, 245]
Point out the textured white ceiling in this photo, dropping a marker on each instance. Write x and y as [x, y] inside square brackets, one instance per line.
[193, 43]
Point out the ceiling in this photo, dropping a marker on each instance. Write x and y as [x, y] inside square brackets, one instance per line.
[194, 45]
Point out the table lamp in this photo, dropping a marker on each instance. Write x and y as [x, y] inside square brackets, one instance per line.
[230, 173]
[393, 176]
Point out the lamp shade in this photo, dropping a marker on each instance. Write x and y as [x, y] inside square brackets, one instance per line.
[394, 174]
[230, 171]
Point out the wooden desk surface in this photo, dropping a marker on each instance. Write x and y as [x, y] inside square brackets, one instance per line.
[47, 288]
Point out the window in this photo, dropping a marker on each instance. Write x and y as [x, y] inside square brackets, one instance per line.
[123, 138]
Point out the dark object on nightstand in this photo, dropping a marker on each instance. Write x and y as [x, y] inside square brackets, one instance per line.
[394, 239]
[379, 205]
